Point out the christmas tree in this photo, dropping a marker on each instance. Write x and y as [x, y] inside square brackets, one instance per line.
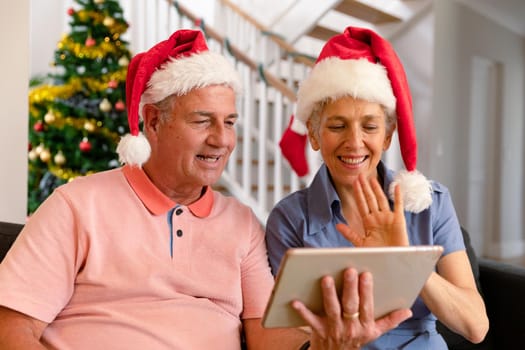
[78, 113]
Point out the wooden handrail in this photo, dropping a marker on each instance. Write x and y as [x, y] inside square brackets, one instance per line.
[244, 15]
[237, 53]
[289, 49]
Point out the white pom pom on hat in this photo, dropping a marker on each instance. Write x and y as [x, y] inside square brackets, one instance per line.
[172, 67]
[134, 149]
[362, 64]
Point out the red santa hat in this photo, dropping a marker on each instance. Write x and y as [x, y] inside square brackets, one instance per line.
[172, 67]
[362, 64]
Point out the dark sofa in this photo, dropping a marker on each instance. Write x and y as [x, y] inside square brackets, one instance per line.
[502, 286]
[503, 289]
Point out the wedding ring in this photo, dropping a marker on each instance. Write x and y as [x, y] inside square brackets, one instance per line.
[348, 316]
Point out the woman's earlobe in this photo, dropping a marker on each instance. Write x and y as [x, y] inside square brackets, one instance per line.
[313, 140]
[386, 144]
[314, 143]
[388, 140]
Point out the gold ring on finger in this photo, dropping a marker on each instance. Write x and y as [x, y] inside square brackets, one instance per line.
[349, 316]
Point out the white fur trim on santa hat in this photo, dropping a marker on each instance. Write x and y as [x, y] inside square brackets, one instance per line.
[181, 75]
[298, 126]
[416, 190]
[134, 150]
[334, 77]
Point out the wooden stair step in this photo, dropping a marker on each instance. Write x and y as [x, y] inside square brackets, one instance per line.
[366, 12]
[356, 9]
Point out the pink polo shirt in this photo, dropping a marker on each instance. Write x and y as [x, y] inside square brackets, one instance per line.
[111, 263]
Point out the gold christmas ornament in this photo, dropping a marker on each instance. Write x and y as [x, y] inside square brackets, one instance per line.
[32, 155]
[105, 105]
[45, 155]
[123, 61]
[49, 117]
[39, 149]
[99, 2]
[89, 126]
[59, 158]
[108, 21]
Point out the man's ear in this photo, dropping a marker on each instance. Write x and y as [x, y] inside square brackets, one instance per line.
[312, 136]
[151, 116]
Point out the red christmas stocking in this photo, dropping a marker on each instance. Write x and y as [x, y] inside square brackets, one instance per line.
[293, 147]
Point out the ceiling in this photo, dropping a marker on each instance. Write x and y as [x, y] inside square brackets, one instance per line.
[508, 13]
[307, 24]
[391, 16]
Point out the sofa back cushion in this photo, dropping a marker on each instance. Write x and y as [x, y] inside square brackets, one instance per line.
[8, 233]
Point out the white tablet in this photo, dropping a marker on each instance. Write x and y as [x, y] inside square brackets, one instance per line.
[399, 274]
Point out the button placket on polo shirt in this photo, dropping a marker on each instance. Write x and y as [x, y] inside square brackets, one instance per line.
[175, 229]
[179, 212]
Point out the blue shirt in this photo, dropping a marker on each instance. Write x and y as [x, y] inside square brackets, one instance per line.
[307, 218]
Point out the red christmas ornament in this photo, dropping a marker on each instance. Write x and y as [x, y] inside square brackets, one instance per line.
[120, 106]
[39, 126]
[70, 11]
[112, 84]
[85, 145]
[90, 42]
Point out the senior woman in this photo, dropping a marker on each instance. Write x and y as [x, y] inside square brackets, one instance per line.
[352, 101]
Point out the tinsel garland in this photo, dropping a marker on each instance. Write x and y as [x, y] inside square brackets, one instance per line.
[65, 173]
[48, 93]
[118, 27]
[101, 50]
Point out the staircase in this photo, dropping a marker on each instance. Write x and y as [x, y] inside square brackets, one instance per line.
[307, 24]
[272, 59]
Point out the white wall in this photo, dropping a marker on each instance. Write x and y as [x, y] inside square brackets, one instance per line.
[14, 60]
[48, 20]
[479, 154]
[420, 74]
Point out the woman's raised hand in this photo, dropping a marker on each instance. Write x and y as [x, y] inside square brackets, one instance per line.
[382, 225]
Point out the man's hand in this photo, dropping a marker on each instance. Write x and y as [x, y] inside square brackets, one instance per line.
[348, 324]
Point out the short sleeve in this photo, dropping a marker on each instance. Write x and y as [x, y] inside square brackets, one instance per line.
[257, 281]
[47, 240]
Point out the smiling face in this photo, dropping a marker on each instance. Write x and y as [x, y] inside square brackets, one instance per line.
[191, 137]
[351, 135]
